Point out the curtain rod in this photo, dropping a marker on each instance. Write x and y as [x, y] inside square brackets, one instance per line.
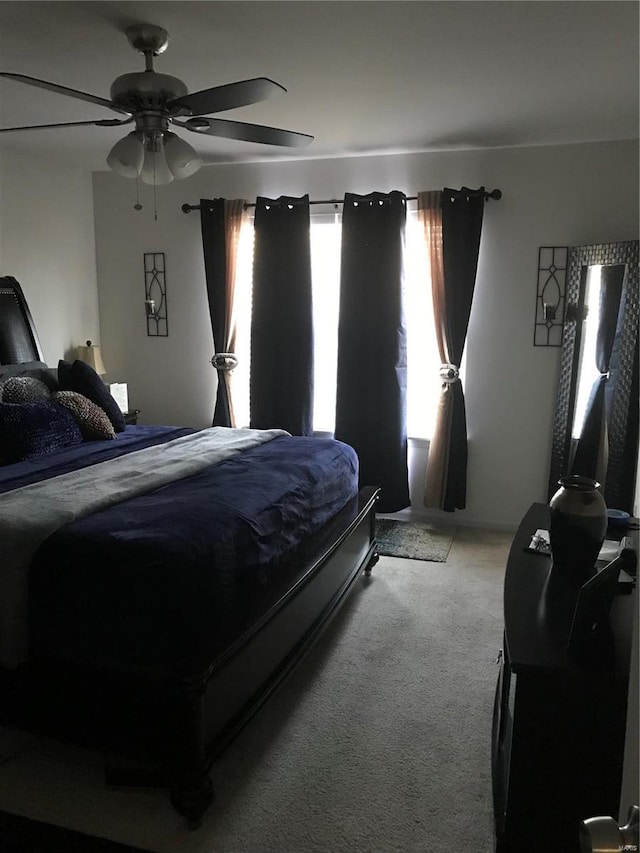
[493, 194]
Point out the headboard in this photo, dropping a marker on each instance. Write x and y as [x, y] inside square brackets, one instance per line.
[18, 337]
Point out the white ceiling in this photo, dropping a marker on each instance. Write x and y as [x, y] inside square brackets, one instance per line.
[362, 77]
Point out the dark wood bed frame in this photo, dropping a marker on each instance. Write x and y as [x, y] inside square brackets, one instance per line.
[169, 732]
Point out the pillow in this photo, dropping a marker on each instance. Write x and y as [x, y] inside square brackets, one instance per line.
[35, 369]
[30, 430]
[64, 374]
[81, 377]
[23, 389]
[93, 421]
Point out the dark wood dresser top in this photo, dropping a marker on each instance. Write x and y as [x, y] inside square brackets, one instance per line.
[539, 607]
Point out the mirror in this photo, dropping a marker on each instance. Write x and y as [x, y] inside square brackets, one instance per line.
[596, 423]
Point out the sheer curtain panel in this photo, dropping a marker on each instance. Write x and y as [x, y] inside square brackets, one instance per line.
[221, 220]
[281, 384]
[453, 224]
[372, 348]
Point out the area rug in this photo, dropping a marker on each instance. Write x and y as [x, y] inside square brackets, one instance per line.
[372, 745]
[413, 539]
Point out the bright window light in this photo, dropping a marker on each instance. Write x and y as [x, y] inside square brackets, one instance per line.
[244, 275]
[423, 382]
[326, 241]
[423, 360]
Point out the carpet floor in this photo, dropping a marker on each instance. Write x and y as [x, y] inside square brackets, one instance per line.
[379, 742]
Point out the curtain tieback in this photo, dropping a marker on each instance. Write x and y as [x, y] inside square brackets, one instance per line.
[224, 361]
[449, 374]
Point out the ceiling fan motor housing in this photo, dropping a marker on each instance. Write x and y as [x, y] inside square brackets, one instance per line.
[146, 90]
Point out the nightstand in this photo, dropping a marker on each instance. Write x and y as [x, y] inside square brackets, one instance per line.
[131, 417]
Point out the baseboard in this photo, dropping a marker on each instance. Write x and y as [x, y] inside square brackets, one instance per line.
[446, 519]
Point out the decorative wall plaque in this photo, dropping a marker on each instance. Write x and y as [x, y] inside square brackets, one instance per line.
[155, 294]
[550, 296]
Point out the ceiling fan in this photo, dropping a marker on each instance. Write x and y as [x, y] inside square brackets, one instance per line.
[156, 101]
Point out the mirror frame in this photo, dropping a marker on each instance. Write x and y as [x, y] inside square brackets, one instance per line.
[619, 488]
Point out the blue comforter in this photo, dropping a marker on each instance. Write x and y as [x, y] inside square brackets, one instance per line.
[165, 580]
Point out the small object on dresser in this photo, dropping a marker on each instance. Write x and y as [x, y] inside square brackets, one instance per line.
[618, 518]
[131, 417]
[629, 556]
[593, 605]
[540, 542]
[577, 527]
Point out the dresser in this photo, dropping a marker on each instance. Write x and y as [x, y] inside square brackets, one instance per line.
[559, 715]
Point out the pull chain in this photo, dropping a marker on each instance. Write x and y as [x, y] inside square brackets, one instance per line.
[137, 205]
[155, 205]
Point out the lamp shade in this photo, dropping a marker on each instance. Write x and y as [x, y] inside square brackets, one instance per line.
[157, 158]
[92, 356]
[182, 159]
[127, 156]
[155, 169]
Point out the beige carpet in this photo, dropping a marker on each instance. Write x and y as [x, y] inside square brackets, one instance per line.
[379, 742]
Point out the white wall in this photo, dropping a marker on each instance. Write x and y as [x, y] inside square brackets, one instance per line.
[552, 196]
[47, 243]
[563, 195]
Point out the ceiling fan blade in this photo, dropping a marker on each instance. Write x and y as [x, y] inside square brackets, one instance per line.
[101, 122]
[226, 97]
[246, 132]
[62, 90]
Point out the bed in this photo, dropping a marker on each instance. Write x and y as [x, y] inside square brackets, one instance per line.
[157, 584]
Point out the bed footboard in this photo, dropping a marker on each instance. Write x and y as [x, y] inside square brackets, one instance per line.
[168, 733]
[242, 679]
[247, 673]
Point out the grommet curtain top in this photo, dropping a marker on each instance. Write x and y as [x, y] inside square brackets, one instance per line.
[281, 204]
[465, 192]
[375, 198]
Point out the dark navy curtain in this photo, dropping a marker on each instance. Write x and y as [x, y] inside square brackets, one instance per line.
[281, 384]
[372, 353]
[220, 222]
[462, 212]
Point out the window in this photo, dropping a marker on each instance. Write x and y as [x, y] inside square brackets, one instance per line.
[325, 285]
[423, 360]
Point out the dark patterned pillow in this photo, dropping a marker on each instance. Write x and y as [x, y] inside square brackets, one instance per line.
[23, 389]
[30, 430]
[35, 369]
[81, 377]
[93, 421]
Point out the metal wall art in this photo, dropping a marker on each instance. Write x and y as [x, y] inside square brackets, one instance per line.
[550, 296]
[155, 294]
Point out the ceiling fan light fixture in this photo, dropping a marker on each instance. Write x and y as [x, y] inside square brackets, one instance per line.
[155, 169]
[182, 158]
[127, 155]
[154, 100]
